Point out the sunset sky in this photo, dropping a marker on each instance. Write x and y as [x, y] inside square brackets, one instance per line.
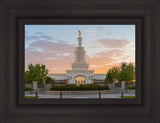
[54, 45]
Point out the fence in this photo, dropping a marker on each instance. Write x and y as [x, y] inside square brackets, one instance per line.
[62, 95]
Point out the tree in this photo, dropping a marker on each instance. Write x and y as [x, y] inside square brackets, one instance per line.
[36, 73]
[44, 71]
[109, 76]
[31, 71]
[124, 73]
[115, 72]
[50, 80]
[130, 73]
[27, 77]
[127, 72]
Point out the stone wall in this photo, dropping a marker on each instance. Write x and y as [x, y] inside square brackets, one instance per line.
[47, 86]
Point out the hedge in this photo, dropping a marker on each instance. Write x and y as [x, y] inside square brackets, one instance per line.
[80, 87]
[130, 87]
[28, 89]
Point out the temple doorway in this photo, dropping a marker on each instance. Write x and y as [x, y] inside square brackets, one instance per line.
[80, 80]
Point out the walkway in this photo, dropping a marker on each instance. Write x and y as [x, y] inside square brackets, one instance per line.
[80, 96]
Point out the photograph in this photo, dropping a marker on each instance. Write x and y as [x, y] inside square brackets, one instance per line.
[80, 61]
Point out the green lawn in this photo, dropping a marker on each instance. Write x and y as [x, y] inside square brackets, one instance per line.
[30, 97]
[128, 97]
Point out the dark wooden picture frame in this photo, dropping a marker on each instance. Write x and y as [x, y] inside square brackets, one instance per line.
[145, 107]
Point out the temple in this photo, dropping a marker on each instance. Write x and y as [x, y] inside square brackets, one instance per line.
[79, 74]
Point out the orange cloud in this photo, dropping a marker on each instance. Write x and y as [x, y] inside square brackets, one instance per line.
[57, 55]
[113, 43]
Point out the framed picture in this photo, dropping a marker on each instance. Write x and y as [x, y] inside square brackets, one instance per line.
[101, 82]
[54, 70]
[80, 61]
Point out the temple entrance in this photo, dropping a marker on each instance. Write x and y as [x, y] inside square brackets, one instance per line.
[80, 80]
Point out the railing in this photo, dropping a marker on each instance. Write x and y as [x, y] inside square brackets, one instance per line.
[61, 95]
[122, 95]
[99, 95]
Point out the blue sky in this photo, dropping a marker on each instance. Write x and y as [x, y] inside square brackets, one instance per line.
[114, 43]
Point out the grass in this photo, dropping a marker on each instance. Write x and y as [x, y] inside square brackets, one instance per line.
[129, 97]
[30, 97]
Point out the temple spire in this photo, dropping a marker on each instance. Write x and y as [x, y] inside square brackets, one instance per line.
[79, 39]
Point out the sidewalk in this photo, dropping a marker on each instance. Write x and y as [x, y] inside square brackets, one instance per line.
[81, 96]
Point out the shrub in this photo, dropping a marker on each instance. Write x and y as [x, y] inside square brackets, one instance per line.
[80, 87]
[130, 83]
[28, 89]
[130, 87]
[50, 80]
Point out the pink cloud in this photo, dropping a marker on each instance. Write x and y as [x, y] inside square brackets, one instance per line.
[53, 62]
[55, 47]
[57, 55]
[113, 43]
[104, 61]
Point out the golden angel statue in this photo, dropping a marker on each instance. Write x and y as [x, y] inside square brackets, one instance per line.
[79, 33]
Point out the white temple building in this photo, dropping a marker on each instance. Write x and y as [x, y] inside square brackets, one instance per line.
[79, 73]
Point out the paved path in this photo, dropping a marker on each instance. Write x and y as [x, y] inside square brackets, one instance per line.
[80, 96]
